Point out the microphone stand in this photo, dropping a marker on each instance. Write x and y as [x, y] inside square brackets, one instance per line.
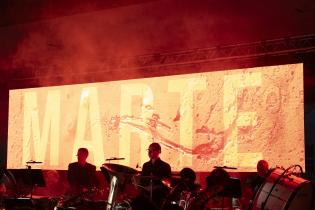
[151, 189]
[29, 168]
[29, 174]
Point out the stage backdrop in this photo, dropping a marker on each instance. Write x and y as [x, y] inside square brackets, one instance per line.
[232, 118]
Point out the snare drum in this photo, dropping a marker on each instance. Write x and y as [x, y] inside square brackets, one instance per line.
[281, 191]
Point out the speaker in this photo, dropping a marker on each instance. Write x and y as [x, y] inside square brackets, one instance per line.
[19, 204]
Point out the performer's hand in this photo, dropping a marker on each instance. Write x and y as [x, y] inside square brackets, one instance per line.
[166, 182]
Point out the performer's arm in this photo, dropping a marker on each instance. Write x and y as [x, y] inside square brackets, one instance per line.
[168, 171]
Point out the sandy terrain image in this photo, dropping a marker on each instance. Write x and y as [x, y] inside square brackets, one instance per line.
[232, 118]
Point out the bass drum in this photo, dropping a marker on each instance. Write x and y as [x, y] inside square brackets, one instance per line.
[284, 192]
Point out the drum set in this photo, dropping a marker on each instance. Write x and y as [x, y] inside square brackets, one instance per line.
[283, 189]
[118, 176]
[180, 196]
[125, 184]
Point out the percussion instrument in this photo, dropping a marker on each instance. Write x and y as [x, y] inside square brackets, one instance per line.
[117, 176]
[119, 169]
[282, 190]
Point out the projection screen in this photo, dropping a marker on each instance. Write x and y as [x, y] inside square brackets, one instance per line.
[224, 118]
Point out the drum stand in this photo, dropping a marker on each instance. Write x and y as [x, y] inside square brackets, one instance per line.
[112, 193]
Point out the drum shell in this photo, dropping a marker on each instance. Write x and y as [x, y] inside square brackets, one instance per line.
[287, 192]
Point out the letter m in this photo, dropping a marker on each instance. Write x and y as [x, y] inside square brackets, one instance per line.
[36, 141]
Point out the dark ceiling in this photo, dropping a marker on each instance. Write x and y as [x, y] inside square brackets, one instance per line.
[140, 27]
[14, 12]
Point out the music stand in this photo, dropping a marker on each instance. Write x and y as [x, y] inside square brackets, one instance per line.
[29, 178]
[233, 188]
[19, 203]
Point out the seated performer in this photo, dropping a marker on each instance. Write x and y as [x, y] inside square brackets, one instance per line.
[212, 196]
[188, 178]
[262, 173]
[152, 174]
[184, 190]
[81, 174]
[258, 179]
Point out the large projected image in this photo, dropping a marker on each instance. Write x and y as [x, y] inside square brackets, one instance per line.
[232, 118]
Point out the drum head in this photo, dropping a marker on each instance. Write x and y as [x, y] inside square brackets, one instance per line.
[116, 168]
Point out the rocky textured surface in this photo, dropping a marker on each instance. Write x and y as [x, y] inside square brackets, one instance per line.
[231, 118]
